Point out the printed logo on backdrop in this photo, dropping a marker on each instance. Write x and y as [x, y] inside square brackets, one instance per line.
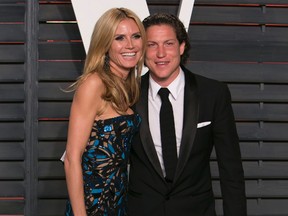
[87, 12]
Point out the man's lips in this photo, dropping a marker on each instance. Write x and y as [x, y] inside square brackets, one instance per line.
[161, 62]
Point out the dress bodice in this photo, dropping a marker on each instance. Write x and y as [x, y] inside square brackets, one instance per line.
[104, 164]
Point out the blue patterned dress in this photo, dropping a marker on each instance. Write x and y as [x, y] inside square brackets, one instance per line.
[104, 165]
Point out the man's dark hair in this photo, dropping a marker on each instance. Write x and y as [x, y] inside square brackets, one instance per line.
[176, 24]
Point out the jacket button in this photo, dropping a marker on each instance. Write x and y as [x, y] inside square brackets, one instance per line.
[167, 197]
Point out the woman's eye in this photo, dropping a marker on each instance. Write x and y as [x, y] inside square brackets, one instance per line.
[119, 38]
[137, 36]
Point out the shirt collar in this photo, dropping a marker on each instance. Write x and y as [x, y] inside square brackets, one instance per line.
[175, 87]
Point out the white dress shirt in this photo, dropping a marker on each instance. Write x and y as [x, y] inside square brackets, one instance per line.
[176, 98]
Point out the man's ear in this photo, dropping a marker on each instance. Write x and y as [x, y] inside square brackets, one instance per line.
[182, 47]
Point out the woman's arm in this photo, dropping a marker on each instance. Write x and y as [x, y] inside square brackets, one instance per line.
[87, 100]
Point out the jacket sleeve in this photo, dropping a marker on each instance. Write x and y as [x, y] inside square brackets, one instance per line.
[228, 154]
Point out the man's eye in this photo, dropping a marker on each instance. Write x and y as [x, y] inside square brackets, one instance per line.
[151, 45]
[169, 44]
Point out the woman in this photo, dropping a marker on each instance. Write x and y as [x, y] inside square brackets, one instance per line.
[101, 123]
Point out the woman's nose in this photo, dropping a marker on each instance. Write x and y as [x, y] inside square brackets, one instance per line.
[130, 44]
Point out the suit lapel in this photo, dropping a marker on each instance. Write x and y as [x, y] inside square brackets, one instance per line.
[189, 121]
[146, 138]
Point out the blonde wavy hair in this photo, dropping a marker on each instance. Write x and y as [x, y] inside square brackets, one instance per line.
[121, 94]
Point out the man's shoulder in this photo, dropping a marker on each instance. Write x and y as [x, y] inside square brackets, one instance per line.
[202, 80]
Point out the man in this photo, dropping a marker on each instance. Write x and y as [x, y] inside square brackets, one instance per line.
[203, 118]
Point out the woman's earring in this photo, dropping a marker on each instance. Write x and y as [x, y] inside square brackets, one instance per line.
[106, 63]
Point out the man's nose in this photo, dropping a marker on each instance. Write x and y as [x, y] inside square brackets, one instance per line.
[161, 52]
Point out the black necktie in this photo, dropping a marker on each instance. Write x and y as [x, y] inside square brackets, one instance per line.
[168, 137]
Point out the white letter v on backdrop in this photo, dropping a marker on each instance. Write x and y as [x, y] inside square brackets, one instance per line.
[87, 12]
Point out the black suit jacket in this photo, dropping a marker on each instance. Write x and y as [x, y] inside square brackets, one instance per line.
[190, 194]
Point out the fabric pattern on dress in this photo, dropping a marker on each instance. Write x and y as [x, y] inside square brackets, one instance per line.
[104, 165]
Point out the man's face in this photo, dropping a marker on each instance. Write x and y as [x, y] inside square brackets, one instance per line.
[163, 53]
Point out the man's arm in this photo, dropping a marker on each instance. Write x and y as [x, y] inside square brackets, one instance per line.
[227, 148]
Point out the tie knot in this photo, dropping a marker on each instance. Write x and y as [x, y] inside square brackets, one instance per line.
[164, 93]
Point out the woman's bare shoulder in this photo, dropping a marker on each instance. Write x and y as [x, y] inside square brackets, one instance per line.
[91, 83]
